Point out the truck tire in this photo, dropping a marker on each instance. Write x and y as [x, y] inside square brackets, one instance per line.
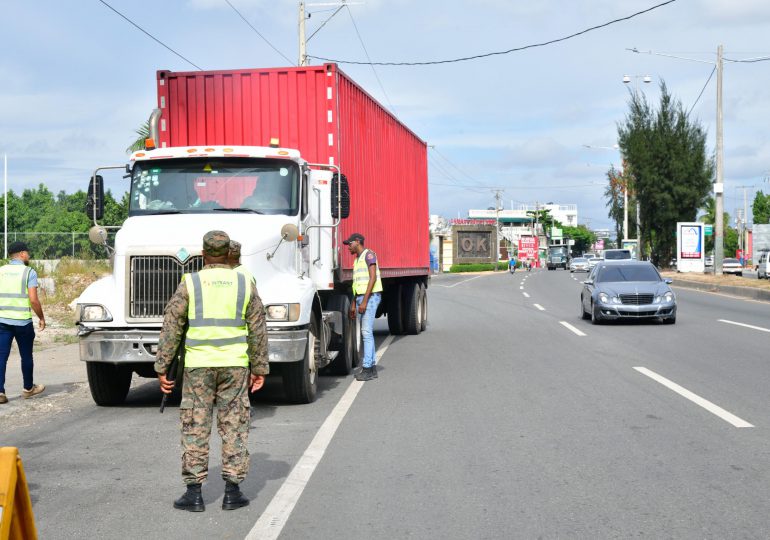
[346, 360]
[300, 379]
[395, 310]
[424, 321]
[412, 304]
[109, 383]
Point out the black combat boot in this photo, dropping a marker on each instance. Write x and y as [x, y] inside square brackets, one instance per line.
[233, 497]
[366, 374]
[192, 500]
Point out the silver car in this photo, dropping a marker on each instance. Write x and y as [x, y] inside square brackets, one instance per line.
[627, 290]
[732, 266]
[579, 264]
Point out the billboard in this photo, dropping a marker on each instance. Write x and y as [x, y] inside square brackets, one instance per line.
[528, 246]
[689, 242]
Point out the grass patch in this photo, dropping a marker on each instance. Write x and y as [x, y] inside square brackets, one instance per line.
[480, 267]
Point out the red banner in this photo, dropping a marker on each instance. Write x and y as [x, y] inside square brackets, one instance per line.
[528, 248]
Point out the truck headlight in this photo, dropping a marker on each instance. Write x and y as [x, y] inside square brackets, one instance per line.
[94, 313]
[282, 312]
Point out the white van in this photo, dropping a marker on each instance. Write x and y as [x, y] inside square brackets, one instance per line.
[763, 265]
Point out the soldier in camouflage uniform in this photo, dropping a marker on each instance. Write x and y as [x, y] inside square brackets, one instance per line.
[204, 387]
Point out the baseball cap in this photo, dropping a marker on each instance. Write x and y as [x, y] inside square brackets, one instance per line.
[353, 237]
[216, 243]
[17, 247]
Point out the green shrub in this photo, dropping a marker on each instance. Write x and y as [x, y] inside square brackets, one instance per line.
[481, 267]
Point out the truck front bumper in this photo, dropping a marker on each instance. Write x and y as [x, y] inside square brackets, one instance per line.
[131, 346]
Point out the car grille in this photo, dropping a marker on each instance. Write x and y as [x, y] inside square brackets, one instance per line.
[154, 278]
[636, 299]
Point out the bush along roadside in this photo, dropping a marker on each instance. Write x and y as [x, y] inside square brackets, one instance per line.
[482, 267]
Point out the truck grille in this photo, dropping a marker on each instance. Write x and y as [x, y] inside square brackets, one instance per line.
[154, 278]
[636, 299]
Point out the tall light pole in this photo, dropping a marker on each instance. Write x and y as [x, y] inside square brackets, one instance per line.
[719, 187]
[627, 79]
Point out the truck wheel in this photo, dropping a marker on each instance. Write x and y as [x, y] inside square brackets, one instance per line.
[424, 294]
[412, 304]
[395, 310]
[346, 359]
[109, 383]
[300, 379]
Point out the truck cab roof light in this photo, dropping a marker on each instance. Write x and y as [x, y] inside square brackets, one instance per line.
[274, 143]
[149, 144]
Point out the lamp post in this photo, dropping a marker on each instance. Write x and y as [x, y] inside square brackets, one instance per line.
[626, 80]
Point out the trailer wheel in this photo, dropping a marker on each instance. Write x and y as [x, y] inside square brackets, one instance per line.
[109, 383]
[412, 304]
[346, 360]
[300, 379]
[395, 310]
[424, 321]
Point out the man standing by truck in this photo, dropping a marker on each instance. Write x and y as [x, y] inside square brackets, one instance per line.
[225, 356]
[367, 293]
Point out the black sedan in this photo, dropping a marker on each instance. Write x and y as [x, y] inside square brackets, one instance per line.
[627, 290]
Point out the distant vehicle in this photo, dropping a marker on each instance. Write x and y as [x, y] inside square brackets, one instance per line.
[763, 265]
[627, 290]
[592, 262]
[709, 260]
[589, 255]
[579, 264]
[731, 265]
[558, 257]
[617, 254]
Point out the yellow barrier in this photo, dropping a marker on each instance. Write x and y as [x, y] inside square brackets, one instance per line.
[17, 522]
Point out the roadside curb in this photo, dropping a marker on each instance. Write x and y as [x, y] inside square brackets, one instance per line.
[743, 292]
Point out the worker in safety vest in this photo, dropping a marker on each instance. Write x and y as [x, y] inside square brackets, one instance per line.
[367, 292]
[225, 356]
[18, 298]
[234, 260]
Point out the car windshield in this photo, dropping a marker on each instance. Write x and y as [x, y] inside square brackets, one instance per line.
[626, 272]
[579, 260]
[260, 186]
[619, 254]
[731, 261]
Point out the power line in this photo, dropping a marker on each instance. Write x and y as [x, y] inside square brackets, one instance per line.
[369, 59]
[496, 53]
[150, 35]
[258, 33]
[701, 91]
[748, 60]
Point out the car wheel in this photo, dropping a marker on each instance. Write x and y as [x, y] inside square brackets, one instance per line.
[596, 318]
[739, 274]
[583, 315]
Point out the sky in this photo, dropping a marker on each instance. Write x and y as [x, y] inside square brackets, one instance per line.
[76, 80]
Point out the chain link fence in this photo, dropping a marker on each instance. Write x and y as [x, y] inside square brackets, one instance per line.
[55, 245]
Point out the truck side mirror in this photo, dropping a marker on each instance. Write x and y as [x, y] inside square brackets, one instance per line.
[95, 199]
[341, 208]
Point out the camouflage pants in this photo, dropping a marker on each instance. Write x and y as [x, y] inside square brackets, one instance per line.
[203, 388]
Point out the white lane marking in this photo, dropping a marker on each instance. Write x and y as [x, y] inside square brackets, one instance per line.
[461, 282]
[274, 518]
[521, 287]
[571, 328]
[538, 306]
[525, 295]
[744, 325]
[706, 404]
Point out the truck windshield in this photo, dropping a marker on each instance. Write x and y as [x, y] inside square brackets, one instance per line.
[262, 186]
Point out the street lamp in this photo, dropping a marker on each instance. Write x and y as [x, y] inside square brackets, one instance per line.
[627, 79]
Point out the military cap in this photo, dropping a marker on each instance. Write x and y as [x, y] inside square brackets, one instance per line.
[216, 243]
[235, 248]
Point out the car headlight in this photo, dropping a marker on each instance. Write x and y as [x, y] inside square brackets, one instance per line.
[94, 313]
[668, 297]
[604, 298]
[282, 312]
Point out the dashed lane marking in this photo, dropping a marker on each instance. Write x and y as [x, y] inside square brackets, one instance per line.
[538, 306]
[745, 325]
[706, 404]
[526, 295]
[571, 328]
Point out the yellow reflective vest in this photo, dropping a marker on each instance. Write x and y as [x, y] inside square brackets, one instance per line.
[14, 294]
[361, 275]
[216, 315]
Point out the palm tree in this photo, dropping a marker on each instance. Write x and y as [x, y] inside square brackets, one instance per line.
[141, 134]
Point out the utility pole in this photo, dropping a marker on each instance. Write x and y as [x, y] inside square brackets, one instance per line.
[498, 202]
[302, 41]
[744, 237]
[719, 188]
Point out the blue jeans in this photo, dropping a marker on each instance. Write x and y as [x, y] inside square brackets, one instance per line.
[25, 336]
[367, 326]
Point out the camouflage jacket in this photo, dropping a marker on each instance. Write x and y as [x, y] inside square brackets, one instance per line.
[175, 318]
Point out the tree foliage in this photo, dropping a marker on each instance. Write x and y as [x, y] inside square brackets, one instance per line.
[671, 172]
[142, 133]
[760, 208]
[582, 236]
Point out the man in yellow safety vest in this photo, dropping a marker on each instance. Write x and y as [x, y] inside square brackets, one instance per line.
[367, 292]
[225, 357]
[18, 298]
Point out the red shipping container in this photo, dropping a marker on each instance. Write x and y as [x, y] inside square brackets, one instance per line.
[330, 119]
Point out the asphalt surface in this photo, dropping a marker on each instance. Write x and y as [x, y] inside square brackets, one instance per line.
[499, 421]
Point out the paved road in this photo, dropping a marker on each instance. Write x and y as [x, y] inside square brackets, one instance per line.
[500, 421]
